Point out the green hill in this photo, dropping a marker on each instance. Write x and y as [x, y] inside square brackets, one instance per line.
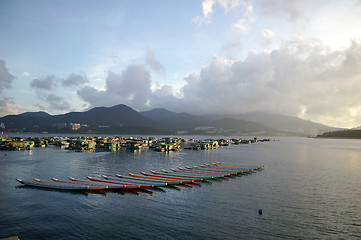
[355, 134]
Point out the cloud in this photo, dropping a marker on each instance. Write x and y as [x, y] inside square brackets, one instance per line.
[151, 61]
[50, 101]
[267, 36]
[5, 77]
[131, 87]
[227, 87]
[57, 103]
[45, 83]
[301, 77]
[208, 9]
[242, 26]
[232, 48]
[163, 98]
[26, 74]
[294, 9]
[7, 107]
[74, 80]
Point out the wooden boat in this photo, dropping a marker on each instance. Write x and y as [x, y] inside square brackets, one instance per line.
[210, 169]
[189, 171]
[186, 175]
[132, 186]
[133, 178]
[225, 165]
[225, 168]
[173, 178]
[179, 181]
[237, 170]
[204, 176]
[207, 171]
[54, 185]
[133, 182]
[168, 184]
[89, 183]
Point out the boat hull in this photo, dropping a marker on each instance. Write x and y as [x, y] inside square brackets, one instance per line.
[172, 177]
[124, 186]
[52, 185]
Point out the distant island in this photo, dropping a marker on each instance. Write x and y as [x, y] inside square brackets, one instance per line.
[349, 134]
[121, 119]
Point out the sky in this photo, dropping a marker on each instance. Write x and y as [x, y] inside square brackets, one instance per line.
[297, 58]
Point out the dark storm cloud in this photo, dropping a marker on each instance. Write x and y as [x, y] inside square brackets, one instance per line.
[44, 90]
[6, 103]
[57, 103]
[5, 77]
[45, 83]
[52, 102]
[74, 80]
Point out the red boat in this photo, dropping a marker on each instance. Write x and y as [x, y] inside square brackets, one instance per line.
[133, 186]
[175, 178]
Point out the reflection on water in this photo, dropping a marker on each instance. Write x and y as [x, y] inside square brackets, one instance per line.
[310, 189]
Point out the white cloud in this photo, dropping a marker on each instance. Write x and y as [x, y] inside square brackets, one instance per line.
[227, 6]
[151, 61]
[207, 7]
[207, 10]
[26, 74]
[300, 78]
[267, 36]
[230, 5]
[293, 10]
[7, 107]
[233, 48]
[131, 87]
[241, 26]
[336, 23]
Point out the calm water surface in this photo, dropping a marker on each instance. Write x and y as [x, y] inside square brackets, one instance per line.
[310, 189]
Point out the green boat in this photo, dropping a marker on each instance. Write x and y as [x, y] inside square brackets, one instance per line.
[209, 169]
[188, 175]
[146, 180]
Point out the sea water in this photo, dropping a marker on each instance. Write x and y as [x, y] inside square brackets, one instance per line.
[309, 189]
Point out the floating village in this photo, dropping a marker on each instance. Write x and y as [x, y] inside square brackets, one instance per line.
[97, 144]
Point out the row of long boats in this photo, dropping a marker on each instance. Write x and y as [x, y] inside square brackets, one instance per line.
[187, 177]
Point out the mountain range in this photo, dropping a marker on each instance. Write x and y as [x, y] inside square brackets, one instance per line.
[121, 119]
